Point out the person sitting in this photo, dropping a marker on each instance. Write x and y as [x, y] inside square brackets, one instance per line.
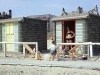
[66, 50]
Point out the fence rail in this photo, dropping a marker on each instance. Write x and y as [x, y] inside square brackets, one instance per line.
[90, 44]
[90, 48]
[36, 43]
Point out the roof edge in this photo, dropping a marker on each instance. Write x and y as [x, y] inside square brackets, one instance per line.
[69, 17]
[11, 20]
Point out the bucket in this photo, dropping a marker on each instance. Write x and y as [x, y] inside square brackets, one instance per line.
[46, 56]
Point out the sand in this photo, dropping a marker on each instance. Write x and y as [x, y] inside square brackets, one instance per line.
[38, 70]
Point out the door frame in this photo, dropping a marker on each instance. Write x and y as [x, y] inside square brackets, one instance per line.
[63, 29]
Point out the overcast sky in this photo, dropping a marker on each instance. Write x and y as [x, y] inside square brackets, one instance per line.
[22, 8]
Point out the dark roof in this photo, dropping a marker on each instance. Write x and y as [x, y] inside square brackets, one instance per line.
[43, 17]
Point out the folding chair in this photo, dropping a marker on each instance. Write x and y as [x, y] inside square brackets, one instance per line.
[73, 53]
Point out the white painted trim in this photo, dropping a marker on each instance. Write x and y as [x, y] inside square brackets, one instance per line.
[90, 50]
[36, 43]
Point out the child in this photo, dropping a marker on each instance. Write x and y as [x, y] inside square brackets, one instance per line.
[53, 50]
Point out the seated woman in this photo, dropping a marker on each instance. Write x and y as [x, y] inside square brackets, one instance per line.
[69, 36]
[66, 50]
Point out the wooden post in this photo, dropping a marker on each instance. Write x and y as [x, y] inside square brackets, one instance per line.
[91, 51]
[36, 54]
[23, 49]
[4, 50]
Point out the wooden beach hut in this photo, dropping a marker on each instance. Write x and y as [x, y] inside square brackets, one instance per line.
[85, 24]
[23, 30]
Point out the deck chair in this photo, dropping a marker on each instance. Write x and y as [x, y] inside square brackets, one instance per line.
[36, 55]
[73, 53]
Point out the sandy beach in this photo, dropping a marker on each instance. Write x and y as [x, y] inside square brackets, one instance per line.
[35, 70]
[17, 69]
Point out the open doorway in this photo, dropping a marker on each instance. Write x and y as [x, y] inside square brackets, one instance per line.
[71, 25]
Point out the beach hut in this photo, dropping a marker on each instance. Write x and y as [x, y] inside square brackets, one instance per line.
[85, 24]
[23, 30]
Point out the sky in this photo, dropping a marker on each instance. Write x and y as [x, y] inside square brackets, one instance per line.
[23, 8]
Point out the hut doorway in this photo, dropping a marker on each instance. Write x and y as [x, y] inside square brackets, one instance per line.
[71, 25]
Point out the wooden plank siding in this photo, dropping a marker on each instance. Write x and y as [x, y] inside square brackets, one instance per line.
[16, 35]
[3, 35]
[79, 31]
[59, 32]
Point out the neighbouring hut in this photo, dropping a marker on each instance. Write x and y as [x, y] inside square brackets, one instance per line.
[23, 30]
[86, 26]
